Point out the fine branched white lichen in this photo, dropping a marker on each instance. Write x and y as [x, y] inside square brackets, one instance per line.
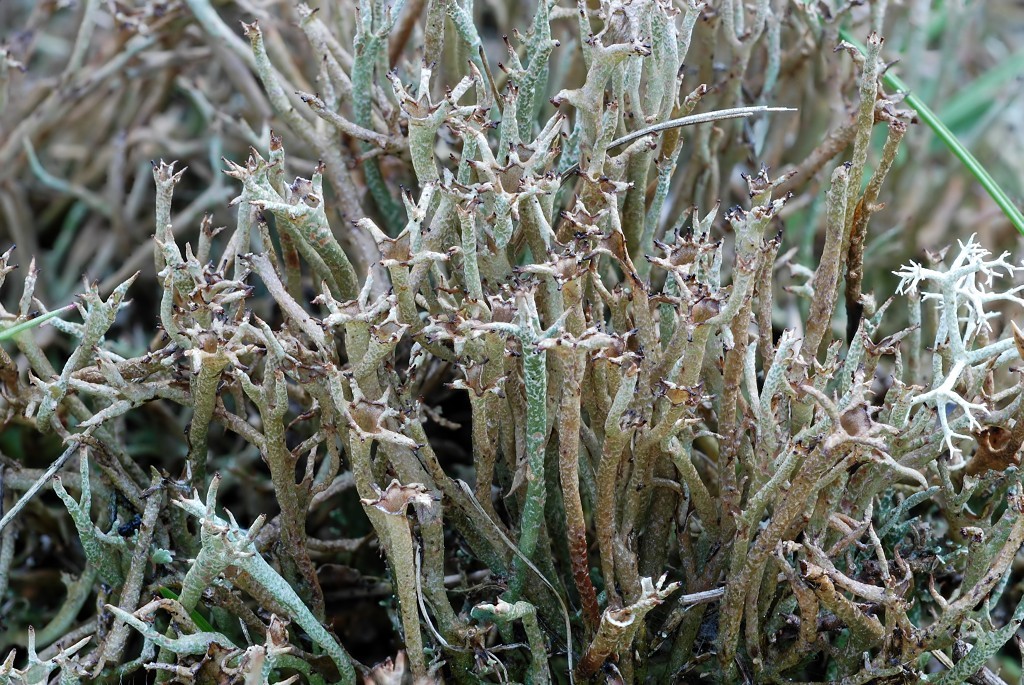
[494, 383]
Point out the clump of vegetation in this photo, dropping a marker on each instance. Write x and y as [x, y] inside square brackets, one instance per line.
[481, 377]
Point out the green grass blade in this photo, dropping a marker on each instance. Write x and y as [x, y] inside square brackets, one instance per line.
[950, 140]
[979, 95]
[14, 330]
